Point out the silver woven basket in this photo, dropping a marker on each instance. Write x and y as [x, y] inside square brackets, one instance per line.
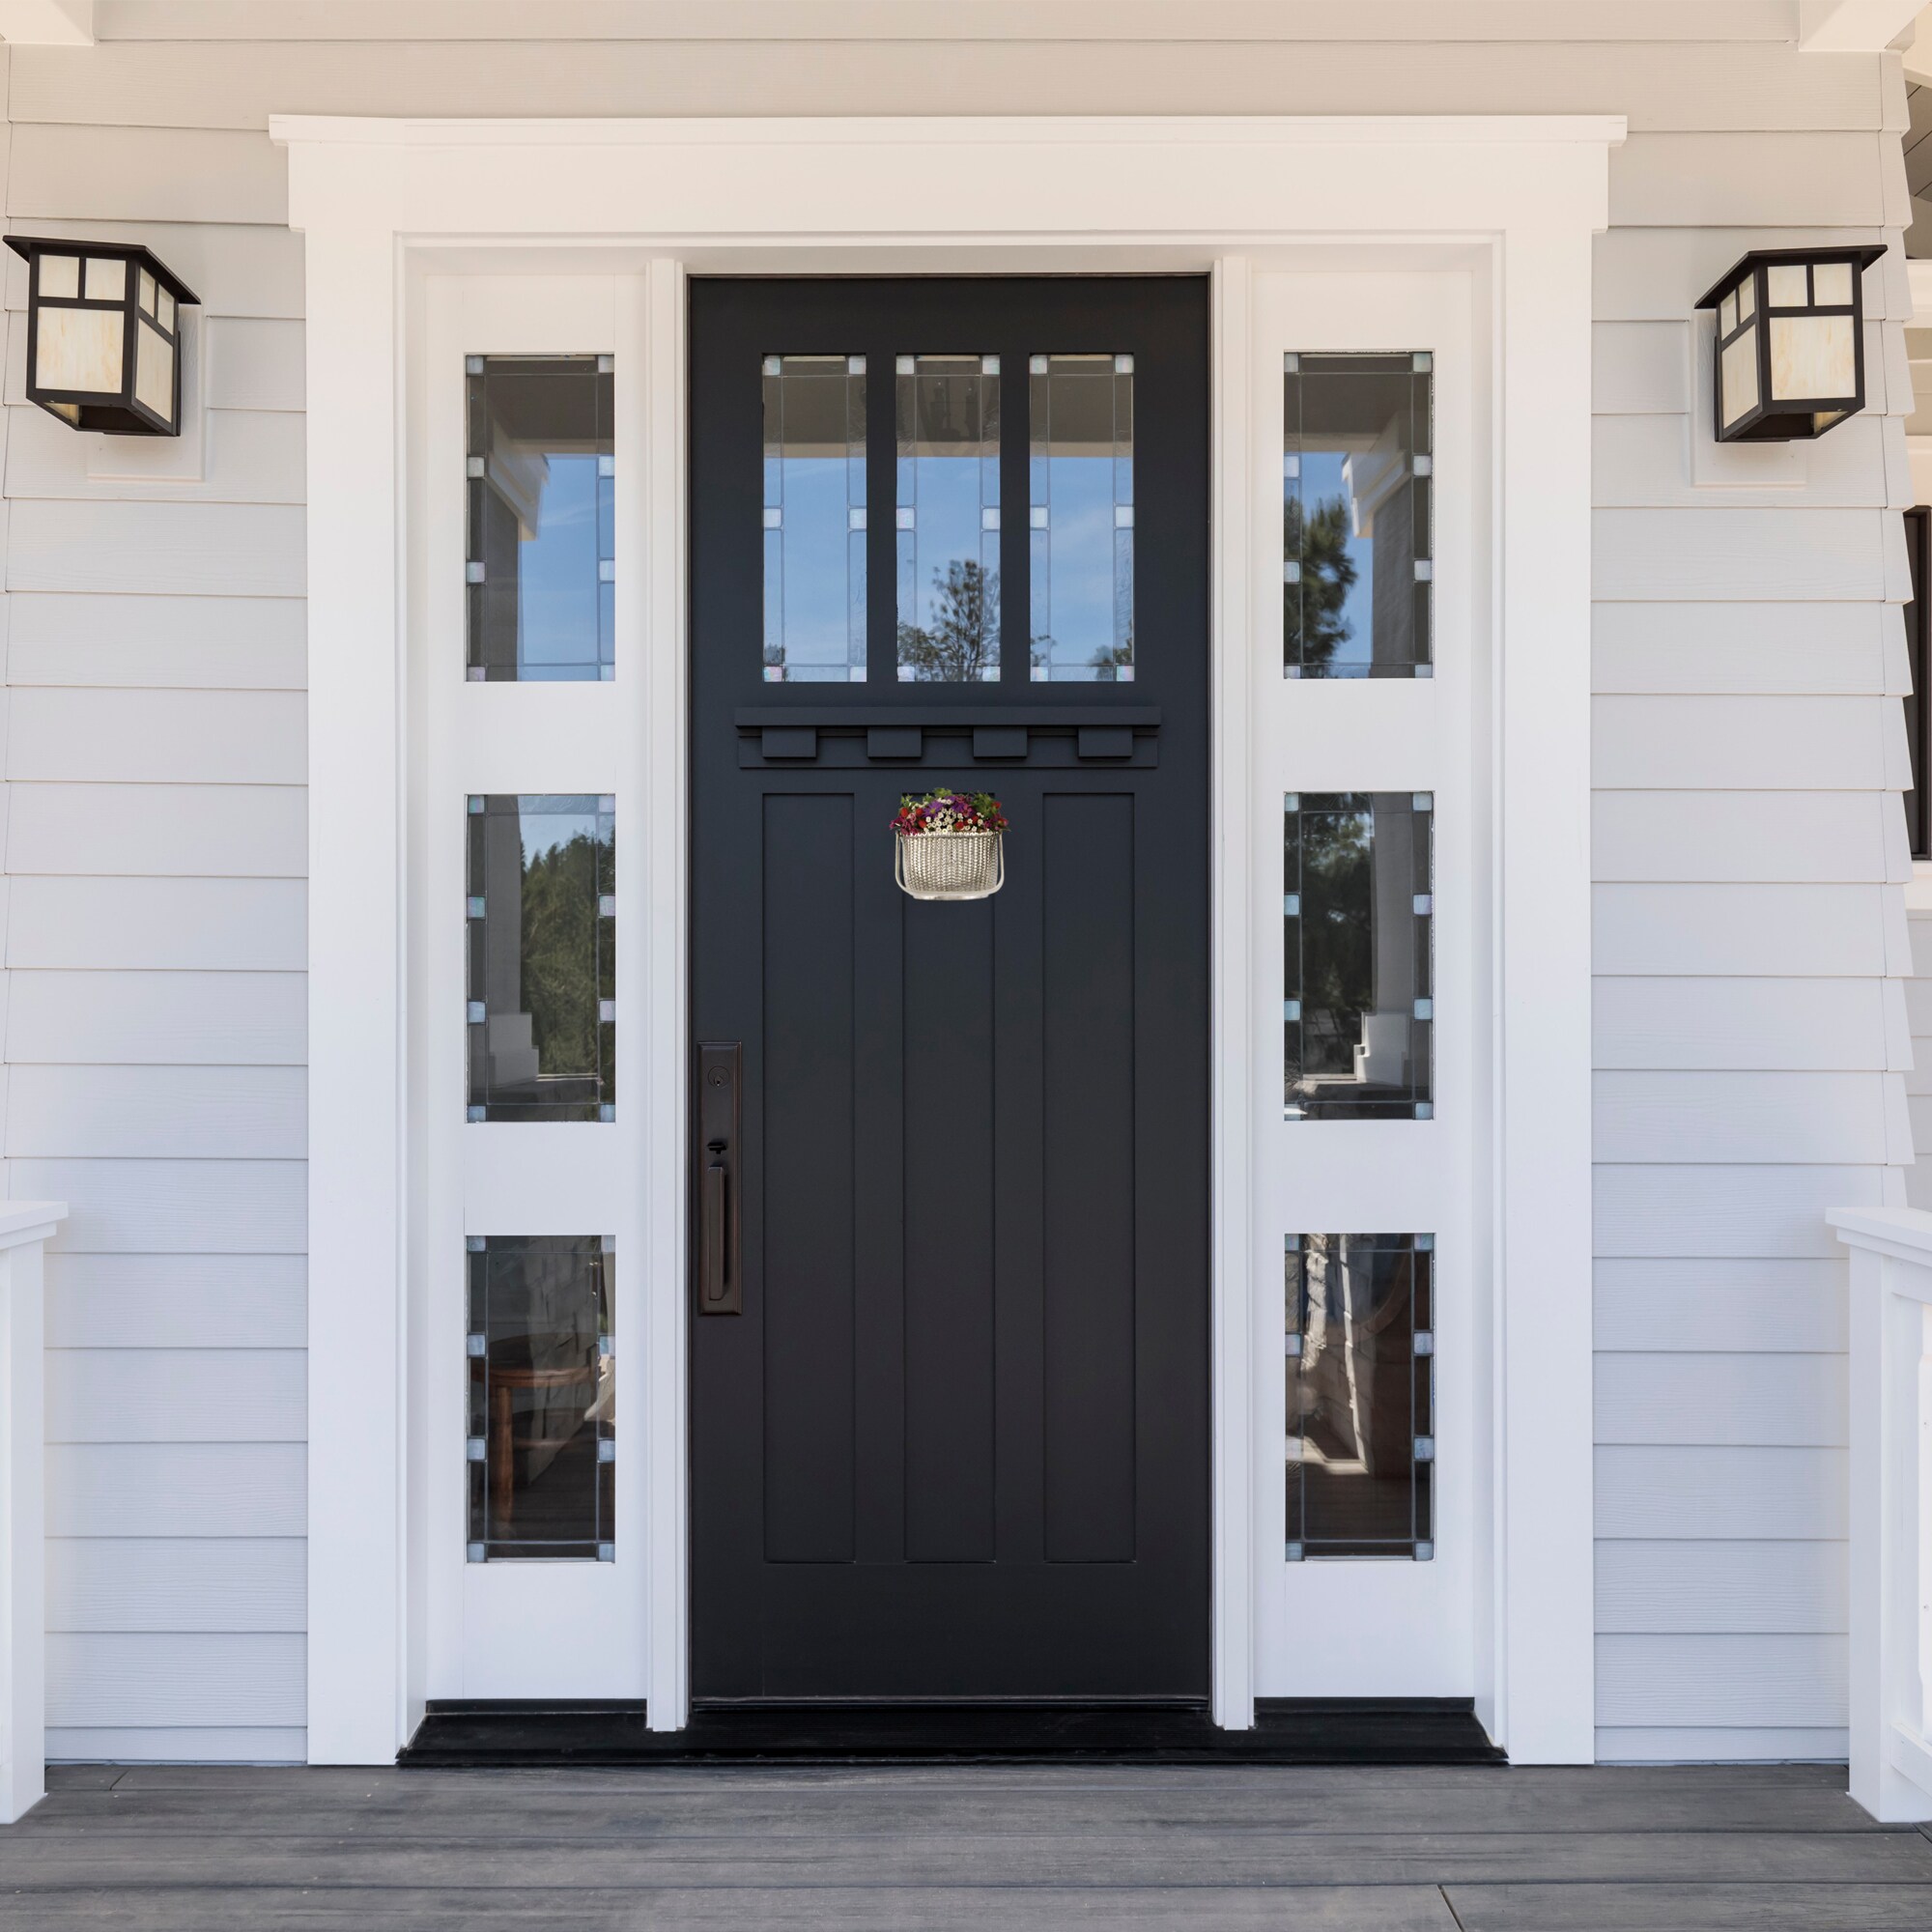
[950, 865]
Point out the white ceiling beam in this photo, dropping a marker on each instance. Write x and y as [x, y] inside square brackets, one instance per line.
[47, 23]
[1853, 26]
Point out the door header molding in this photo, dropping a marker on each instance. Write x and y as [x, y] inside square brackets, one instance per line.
[1513, 200]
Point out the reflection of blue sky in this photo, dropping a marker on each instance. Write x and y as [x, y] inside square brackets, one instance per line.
[545, 820]
[1321, 485]
[812, 580]
[556, 569]
[1075, 604]
[946, 497]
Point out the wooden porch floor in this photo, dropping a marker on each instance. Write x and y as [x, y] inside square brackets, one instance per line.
[1316, 1850]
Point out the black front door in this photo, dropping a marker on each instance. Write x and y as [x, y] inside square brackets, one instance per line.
[951, 1158]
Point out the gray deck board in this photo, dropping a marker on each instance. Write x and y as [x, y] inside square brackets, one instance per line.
[235, 1849]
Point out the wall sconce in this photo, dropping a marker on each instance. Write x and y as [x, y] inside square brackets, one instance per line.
[1790, 342]
[104, 335]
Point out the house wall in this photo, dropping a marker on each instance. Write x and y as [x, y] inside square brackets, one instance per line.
[1751, 937]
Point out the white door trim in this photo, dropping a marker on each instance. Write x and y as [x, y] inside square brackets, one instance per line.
[1514, 201]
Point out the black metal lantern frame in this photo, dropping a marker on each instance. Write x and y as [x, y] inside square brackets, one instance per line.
[104, 335]
[1789, 357]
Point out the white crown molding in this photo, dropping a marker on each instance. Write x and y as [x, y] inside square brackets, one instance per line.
[47, 23]
[1853, 26]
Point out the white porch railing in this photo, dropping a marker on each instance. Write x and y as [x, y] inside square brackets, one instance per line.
[24, 1228]
[1892, 1509]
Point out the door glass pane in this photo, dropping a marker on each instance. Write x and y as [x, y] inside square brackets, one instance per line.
[541, 483]
[947, 410]
[1361, 1422]
[1357, 994]
[1081, 517]
[814, 518]
[1356, 469]
[542, 1418]
[542, 931]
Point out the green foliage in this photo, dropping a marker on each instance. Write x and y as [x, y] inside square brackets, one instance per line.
[1317, 629]
[561, 966]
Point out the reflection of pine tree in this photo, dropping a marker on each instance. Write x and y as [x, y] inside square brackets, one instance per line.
[560, 947]
[1337, 967]
[1108, 661]
[963, 643]
[1317, 629]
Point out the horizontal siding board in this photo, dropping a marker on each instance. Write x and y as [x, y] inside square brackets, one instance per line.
[1745, 648]
[177, 1488]
[1738, 1024]
[1654, 274]
[1802, 838]
[172, 1206]
[177, 1301]
[1743, 744]
[256, 365]
[1700, 180]
[182, 830]
[147, 174]
[231, 643]
[1736, 932]
[1714, 1743]
[234, 269]
[1643, 462]
[176, 1744]
[176, 1395]
[219, 924]
[175, 1677]
[189, 1113]
[217, 549]
[1711, 1305]
[1726, 555]
[1672, 1212]
[1730, 1679]
[176, 1583]
[1690, 1589]
[165, 1020]
[710, 70]
[1639, 368]
[1718, 1495]
[1740, 1117]
[249, 456]
[1788, 1401]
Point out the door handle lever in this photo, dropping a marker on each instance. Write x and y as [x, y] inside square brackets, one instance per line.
[720, 1288]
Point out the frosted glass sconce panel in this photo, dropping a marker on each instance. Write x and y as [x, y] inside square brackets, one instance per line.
[542, 1424]
[541, 474]
[1080, 518]
[1360, 1356]
[946, 441]
[541, 912]
[814, 518]
[1357, 918]
[1357, 470]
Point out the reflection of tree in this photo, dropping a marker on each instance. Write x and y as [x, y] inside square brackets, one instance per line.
[560, 964]
[1316, 626]
[962, 644]
[1337, 967]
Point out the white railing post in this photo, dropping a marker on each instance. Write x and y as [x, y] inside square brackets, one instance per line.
[24, 1228]
[1890, 1508]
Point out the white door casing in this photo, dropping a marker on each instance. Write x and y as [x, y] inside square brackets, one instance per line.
[1511, 203]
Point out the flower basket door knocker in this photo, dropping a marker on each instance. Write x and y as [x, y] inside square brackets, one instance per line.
[948, 845]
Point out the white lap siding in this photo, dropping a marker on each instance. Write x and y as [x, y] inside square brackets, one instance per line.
[1750, 931]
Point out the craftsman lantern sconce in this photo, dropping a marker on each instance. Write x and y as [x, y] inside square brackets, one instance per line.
[104, 335]
[1789, 349]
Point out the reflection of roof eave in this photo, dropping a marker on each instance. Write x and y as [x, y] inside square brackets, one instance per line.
[518, 471]
[1371, 476]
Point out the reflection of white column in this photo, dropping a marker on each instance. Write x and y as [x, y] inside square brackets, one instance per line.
[1386, 1030]
[24, 1228]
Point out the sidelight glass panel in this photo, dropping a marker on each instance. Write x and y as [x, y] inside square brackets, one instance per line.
[541, 1434]
[542, 933]
[1356, 557]
[1081, 517]
[542, 481]
[1361, 1411]
[947, 411]
[1357, 996]
[814, 518]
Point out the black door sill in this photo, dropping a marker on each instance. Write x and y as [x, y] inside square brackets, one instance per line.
[1287, 1730]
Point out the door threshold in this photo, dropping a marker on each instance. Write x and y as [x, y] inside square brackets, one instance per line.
[1287, 1730]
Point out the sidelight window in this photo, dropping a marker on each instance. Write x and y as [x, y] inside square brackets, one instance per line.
[1080, 517]
[946, 416]
[542, 958]
[542, 1440]
[1357, 565]
[1361, 1410]
[1357, 914]
[540, 571]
